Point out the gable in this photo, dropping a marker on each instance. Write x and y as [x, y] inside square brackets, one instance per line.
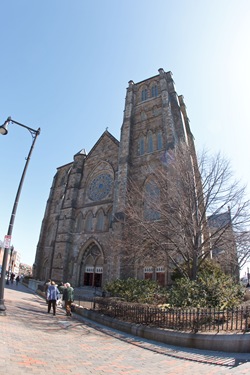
[105, 142]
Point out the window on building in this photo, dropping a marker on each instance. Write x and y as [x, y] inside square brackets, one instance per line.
[109, 218]
[154, 91]
[79, 223]
[151, 201]
[143, 116]
[150, 145]
[144, 95]
[159, 141]
[89, 222]
[100, 221]
[141, 146]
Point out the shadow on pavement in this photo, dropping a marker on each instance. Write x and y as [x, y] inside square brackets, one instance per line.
[32, 312]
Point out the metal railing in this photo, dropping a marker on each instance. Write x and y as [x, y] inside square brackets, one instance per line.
[186, 320]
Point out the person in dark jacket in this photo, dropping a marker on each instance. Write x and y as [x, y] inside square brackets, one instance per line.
[68, 298]
[52, 296]
[12, 278]
[61, 288]
[17, 280]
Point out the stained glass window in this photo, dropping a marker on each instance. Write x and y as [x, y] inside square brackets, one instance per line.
[141, 146]
[159, 141]
[150, 142]
[100, 187]
[151, 202]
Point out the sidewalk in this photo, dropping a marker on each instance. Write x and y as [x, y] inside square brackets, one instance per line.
[36, 342]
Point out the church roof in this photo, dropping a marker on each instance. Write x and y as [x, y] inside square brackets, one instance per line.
[81, 152]
[219, 220]
[105, 134]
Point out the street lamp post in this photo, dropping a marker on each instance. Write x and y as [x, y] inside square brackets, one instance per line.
[34, 134]
[10, 265]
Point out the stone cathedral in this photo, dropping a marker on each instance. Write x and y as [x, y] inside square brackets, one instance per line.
[76, 238]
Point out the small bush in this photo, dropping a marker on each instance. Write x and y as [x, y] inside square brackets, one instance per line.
[133, 290]
[210, 289]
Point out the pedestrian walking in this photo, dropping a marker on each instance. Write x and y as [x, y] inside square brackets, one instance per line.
[12, 278]
[46, 286]
[52, 296]
[68, 298]
[17, 280]
[61, 287]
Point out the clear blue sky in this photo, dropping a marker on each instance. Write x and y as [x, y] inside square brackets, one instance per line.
[65, 66]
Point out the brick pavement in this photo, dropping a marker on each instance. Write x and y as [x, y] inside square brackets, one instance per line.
[36, 342]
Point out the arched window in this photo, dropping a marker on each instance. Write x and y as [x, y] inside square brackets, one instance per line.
[100, 221]
[150, 146]
[144, 95]
[89, 222]
[154, 91]
[109, 218]
[143, 116]
[151, 201]
[141, 145]
[159, 141]
[79, 223]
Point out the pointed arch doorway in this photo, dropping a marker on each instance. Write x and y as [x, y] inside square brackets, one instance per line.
[92, 266]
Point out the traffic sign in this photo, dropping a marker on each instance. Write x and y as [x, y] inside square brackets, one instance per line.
[7, 240]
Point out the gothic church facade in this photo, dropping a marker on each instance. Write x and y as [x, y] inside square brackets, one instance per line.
[76, 241]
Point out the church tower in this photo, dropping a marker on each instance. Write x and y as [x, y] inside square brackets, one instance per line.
[153, 124]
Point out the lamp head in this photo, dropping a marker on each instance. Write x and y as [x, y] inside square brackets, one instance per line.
[4, 127]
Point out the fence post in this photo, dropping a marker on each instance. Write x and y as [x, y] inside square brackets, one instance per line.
[246, 323]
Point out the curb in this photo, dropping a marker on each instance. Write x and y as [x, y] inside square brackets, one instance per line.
[233, 343]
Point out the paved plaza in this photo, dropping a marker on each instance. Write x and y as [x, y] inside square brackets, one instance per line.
[33, 341]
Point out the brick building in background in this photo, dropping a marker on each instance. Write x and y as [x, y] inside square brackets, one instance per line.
[13, 260]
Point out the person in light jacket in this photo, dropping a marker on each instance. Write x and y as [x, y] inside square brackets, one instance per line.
[52, 296]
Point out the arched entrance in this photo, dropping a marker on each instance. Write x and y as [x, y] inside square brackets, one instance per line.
[92, 267]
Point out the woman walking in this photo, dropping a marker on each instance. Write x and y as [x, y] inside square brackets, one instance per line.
[52, 296]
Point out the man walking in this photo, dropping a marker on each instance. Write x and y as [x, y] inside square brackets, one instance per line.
[68, 297]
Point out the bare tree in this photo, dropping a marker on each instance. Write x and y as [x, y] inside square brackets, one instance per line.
[187, 211]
